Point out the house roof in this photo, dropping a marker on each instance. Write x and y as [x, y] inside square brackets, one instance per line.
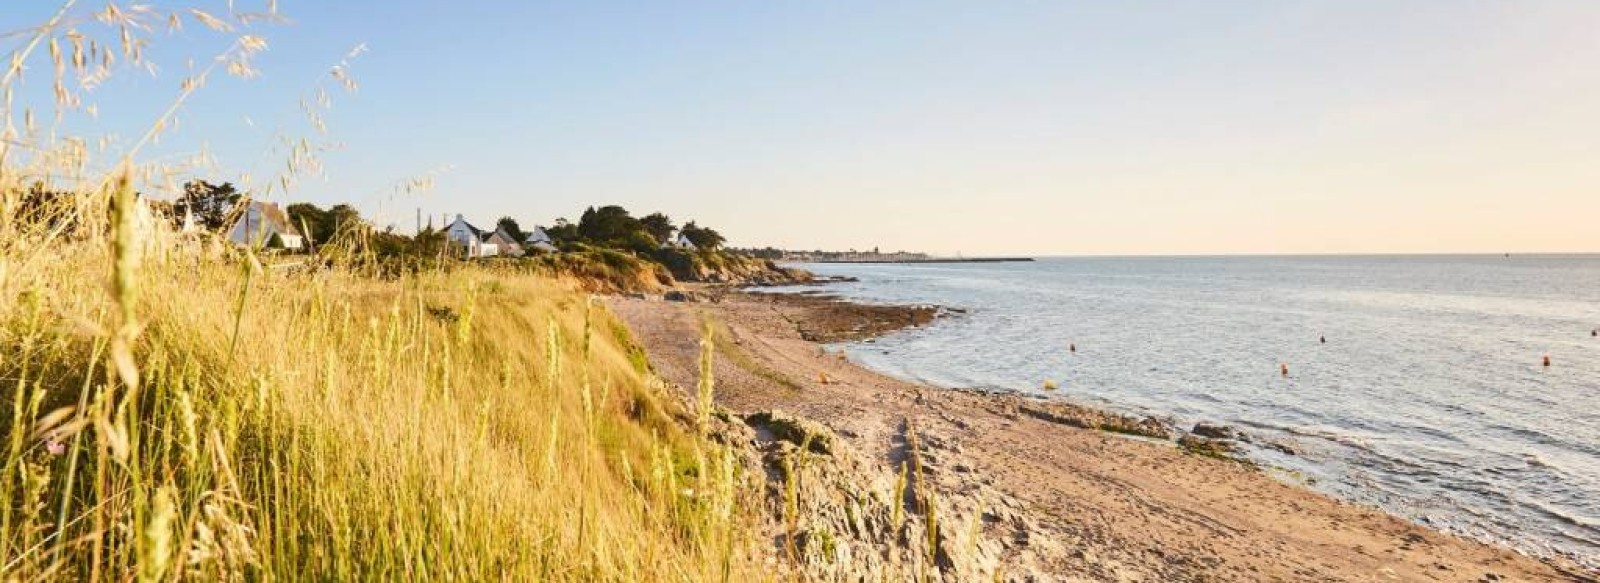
[499, 237]
[271, 215]
[463, 220]
[537, 235]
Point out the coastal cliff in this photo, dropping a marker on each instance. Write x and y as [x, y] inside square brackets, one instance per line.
[610, 271]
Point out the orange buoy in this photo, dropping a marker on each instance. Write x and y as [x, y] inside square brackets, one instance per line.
[1283, 367]
[1547, 360]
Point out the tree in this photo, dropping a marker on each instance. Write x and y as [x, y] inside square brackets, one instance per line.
[510, 226]
[608, 225]
[309, 219]
[322, 226]
[341, 218]
[702, 237]
[562, 231]
[209, 203]
[659, 226]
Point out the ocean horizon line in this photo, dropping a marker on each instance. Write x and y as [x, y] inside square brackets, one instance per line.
[1403, 254]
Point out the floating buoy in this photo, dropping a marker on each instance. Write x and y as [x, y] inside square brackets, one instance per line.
[1283, 368]
[1050, 385]
[1073, 348]
[1322, 339]
[1595, 332]
[1547, 360]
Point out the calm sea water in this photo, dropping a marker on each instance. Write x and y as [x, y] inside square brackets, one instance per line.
[1428, 398]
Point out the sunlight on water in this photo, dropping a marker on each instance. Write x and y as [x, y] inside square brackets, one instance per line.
[1428, 397]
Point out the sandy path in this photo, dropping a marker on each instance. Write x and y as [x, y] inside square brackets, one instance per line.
[1102, 507]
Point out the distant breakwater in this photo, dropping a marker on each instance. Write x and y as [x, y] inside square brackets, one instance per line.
[929, 260]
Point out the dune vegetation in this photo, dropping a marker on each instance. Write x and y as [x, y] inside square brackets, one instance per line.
[175, 408]
[215, 418]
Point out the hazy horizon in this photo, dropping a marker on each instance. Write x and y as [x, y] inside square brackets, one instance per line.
[1335, 254]
[1071, 129]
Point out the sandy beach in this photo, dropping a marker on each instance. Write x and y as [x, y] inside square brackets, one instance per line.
[1048, 491]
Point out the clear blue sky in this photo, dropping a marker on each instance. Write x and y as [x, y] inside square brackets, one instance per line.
[974, 127]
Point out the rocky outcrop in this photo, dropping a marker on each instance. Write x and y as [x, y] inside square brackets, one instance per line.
[723, 267]
[1086, 418]
[1216, 448]
[835, 516]
[1214, 431]
[678, 295]
[828, 319]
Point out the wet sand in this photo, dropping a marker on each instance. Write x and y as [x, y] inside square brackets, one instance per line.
[1093, 504]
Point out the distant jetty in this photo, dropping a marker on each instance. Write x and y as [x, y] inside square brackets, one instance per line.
[928, 260]
[896, 257]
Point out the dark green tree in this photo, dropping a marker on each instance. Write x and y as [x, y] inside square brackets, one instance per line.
[310, 220]
[510, 226]
[659, 226]
[341, 219]
[562, 231]
[210, 203]
[608, 225]
[702, 237]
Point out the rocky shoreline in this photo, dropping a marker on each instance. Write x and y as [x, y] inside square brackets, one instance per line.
[870, 478]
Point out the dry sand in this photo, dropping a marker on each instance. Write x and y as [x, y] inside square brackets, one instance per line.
[1096, 506]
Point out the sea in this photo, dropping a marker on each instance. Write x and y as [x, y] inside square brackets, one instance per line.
[1416, 384]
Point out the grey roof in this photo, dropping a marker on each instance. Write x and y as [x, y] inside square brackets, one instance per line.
[499, 237]
[537, 235]
[272, 216]
[463, 220]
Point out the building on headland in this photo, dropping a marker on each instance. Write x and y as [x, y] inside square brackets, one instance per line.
[504, 243]
[476, 242]
[539, 240]
[260, 223]
[473, 241]
[679, 242]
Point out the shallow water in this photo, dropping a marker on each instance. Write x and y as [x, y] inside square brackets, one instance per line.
[1428, 398]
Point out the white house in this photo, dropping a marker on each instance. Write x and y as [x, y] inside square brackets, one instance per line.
[681, 242]
[539, 240]
[472, 239]
[257, 223]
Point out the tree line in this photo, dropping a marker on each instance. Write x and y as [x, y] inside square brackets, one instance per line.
[609, 226]
[612, 226]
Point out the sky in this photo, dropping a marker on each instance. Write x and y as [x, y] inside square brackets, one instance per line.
[973, 128]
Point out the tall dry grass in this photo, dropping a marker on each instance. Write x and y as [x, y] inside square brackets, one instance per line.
[321, 426]
[177, 410]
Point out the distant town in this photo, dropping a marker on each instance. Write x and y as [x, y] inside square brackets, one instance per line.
[873, 256]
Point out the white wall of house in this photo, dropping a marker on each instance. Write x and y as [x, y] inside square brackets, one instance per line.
[504, 243]
[462, 233]
[253, 228]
